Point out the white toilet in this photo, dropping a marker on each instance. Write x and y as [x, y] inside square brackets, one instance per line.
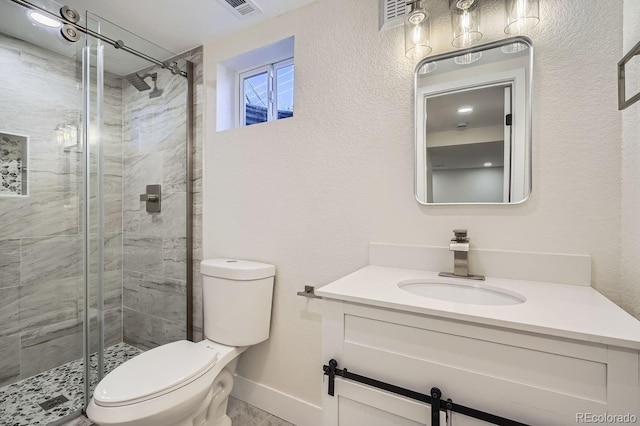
[185, 383]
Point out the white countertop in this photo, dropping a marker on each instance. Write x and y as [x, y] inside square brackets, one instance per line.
[571, 311]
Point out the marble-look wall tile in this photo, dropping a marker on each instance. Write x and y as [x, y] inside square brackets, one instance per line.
[50, 346]
[154, 151]
[62, 175]
[46, 214]
[9, 263]
[198, 319]
[131, 213]
[112, 295]
[112, 328]
[9, 359]
[9, 310]
[173, 331]
[47, 64]
[50, 259]
[142, 330]
[175, 168]
[159, 296]
[174, 215]
[198, 105]
[151, 223]
[174, 258]
[142, 253]
[44, 305]
[140, 171]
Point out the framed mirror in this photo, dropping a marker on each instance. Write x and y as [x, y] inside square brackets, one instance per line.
[473, 125]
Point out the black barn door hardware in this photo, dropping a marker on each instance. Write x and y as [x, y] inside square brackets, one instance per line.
[434, 398]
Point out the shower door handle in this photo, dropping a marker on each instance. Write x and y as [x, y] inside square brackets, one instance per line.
[153, 198]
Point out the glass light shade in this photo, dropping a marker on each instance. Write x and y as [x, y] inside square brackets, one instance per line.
[417, 32]
[465, 22]
[521, 16]
[427, 68]
[467, 58]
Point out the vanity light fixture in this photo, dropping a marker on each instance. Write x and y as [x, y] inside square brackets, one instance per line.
[465, 27]
[521, 17]
[488, 164]
[465, 110]
[417, 31]
[44, 20]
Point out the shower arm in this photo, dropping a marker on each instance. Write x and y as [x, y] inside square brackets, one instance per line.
[118, 44]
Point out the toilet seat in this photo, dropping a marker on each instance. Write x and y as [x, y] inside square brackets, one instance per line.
[156, 372]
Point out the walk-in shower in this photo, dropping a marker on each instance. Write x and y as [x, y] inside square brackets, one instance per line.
[90, 114]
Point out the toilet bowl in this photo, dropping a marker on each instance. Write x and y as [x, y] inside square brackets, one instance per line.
[185, 383]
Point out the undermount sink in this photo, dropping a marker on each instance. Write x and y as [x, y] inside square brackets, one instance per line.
[463, 292]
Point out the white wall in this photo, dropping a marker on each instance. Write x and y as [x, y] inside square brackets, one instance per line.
[309, 193]
[630, 235]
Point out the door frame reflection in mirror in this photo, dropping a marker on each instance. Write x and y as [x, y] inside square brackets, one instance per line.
[517, 185]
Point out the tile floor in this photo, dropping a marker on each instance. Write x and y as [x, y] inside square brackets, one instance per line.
[19, 402]
[241, 414]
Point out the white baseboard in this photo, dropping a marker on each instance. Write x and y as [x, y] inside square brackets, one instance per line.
[280, 404]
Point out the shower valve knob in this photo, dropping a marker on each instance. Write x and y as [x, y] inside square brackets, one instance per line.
[152, 198]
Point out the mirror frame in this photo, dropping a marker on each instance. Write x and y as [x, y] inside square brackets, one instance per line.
[420, 158]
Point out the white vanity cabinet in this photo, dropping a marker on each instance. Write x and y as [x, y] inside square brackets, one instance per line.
[526, 376]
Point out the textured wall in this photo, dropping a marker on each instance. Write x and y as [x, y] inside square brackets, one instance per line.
[630, 234]
[40, 235]
[308, 193]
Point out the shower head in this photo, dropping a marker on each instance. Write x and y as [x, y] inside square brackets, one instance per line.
[155, 93]
[138, 81]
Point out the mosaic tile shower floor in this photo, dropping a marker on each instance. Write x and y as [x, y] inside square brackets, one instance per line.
[19, 402]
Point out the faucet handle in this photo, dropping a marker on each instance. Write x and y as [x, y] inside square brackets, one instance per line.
[460, 234]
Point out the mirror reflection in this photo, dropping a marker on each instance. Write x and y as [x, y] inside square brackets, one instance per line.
[473, 127]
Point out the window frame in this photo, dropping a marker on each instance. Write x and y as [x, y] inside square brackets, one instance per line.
[272, 84]
[276, 66]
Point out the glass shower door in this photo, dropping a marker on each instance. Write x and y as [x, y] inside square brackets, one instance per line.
[41, 233]
[138, 152]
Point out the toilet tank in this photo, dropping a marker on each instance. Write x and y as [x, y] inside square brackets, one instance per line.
[237, 297]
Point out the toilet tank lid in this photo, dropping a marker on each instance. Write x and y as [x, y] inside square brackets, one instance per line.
[235, 269]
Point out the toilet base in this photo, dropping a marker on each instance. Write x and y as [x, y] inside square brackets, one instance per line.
[206, 407]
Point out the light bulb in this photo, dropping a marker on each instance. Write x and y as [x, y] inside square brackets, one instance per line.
[44, 20]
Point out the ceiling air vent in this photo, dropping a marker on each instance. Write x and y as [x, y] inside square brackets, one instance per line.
[392, 13]
[242, 8]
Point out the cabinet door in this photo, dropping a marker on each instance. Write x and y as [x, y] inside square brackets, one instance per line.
[357, 404]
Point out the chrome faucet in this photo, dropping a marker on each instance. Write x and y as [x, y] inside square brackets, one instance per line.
[459, 245]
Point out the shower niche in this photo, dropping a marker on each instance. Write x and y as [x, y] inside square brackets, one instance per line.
[13, 165]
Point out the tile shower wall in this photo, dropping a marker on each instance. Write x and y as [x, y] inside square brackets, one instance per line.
[154, 244]
[40, 235]
[195, 56]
